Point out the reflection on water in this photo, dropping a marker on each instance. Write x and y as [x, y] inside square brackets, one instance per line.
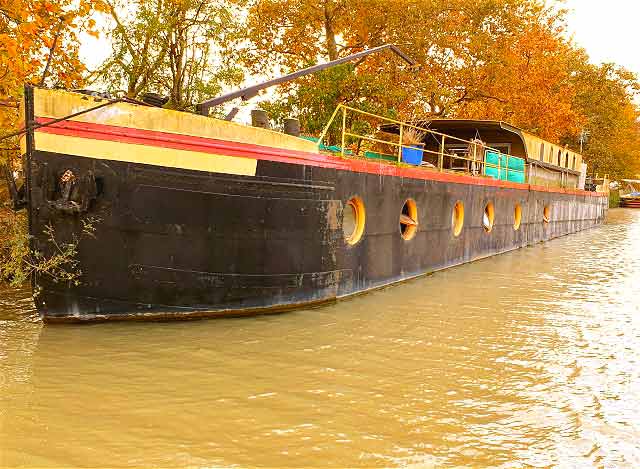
[525, 359]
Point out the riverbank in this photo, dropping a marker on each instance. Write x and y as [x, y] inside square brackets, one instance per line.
[13, 240]
[614, 198]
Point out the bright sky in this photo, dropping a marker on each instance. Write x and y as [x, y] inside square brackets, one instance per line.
[609, 30]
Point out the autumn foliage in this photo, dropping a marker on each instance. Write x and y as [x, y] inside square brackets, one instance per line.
[39, 35]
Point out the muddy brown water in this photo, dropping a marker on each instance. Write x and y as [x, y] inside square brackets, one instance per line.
[528, 359]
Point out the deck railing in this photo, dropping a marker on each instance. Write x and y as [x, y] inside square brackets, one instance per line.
[475, 164]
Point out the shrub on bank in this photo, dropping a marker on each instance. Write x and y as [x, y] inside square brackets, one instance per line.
[614, 198]
[14, 242]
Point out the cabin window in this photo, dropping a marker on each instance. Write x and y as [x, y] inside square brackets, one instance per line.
[546, 215]
[559, 158]
[488, 217]
[541, 157]
[409, 220]
[517, 217]
[457, 218]
[353, 219]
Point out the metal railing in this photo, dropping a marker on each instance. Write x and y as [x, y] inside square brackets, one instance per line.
[476, 164]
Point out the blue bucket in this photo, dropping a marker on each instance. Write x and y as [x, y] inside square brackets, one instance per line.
[412, 154]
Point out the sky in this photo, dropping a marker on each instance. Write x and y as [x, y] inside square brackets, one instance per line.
[608, 30]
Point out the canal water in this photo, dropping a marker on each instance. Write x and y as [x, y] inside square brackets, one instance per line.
[529, 359]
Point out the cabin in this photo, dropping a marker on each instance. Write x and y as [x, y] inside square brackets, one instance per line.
[548, 164]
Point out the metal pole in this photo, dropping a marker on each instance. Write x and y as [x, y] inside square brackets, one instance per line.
[251, 91]
[344, 127]
[473, 163]
[507, 176]
[326, 128]
[441, 155]
[400, 147]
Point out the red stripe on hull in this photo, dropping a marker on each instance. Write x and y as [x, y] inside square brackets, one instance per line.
[223, 147]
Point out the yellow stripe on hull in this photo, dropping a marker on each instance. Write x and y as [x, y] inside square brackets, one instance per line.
[156, 156]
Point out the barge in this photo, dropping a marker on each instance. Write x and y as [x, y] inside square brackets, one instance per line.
[630, 194]
[201, 217]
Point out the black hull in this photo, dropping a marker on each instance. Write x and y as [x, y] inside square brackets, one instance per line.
[179, 244]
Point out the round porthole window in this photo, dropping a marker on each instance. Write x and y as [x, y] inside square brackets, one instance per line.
[409, 220]
[517, 217]
[488, 217]
[546, 215]
[353, 219]
[457, 218]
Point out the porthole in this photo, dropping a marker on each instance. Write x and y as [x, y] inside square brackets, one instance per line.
[546, 215]
[457, 218]
[353, 219]
[517, 217]
[488, 217]
[409, 220]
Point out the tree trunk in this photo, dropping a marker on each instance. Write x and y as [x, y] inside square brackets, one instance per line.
[332, 48]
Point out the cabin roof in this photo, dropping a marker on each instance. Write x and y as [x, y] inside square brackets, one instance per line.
[472, 124]
[531, 142]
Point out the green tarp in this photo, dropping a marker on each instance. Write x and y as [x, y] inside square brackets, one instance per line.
[511, 167]
[333, 148]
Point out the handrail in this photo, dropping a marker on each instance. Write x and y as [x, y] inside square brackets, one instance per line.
[481, 162]
[405, 124]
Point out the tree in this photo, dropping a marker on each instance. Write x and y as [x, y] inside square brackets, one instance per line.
[138, 49]
[38, 45]
[524, 77]
[605, 97]
[172, 47]
[465, 48]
